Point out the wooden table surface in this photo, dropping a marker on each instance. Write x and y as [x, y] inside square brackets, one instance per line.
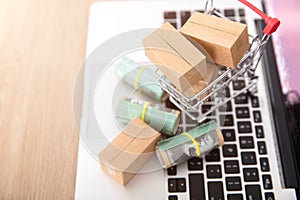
[42, 47]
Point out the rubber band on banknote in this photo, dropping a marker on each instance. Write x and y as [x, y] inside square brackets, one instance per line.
[144, 111]
[138, 77]
[194, 141]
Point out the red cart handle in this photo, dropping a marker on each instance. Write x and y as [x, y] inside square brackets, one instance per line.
[271, 23]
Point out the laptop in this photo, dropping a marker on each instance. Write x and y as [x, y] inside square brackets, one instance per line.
[258, 159]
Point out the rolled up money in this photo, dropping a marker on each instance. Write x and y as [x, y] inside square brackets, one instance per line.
[140, 77]
[198, 142]
[162, 119]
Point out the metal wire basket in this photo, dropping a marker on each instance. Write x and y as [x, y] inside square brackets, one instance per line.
[245, 69]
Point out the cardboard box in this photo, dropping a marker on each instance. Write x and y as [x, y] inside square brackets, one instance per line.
[226, 41]
[177, 58]
[129, 151]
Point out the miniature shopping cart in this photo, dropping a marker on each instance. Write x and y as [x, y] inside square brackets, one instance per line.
[245, 68]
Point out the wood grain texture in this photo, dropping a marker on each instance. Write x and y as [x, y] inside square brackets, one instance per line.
[42, 47]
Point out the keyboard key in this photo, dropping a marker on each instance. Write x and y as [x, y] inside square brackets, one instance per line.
[241, 12]
[172, 171]
[226, 120]
[235, 197]
[196, 186]
[231, 166]
[213, 171]
[257, 116]
[250, 174]
[267, 182]
[215, 190]
[246, 142]
[253, 192]
[170, 15]
[241, 99]
[173, 197]
[262, 149]
[229, 150]
[248, 158]
[181, 185]
[176, 185]
[233, 183]
[174, 24]
[213, 156]
[227, 92]
[195, 164]
[172, 185]
[242, 112]
[184, 16]
[226, 107]
[206, 108]
[269, 196]
[264, 164]
[243, 21]
[238, 84]
[244, 127]
[229, 13]
[254, 102]
[259, 132]
[228, 134]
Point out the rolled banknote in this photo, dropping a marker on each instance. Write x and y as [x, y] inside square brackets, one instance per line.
[142, 78]
[162, 119]
[198, 142]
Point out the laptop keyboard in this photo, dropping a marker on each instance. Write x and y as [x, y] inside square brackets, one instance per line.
[238, 170]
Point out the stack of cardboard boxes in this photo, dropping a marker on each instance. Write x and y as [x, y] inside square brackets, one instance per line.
[188, 67]
[178, 59]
